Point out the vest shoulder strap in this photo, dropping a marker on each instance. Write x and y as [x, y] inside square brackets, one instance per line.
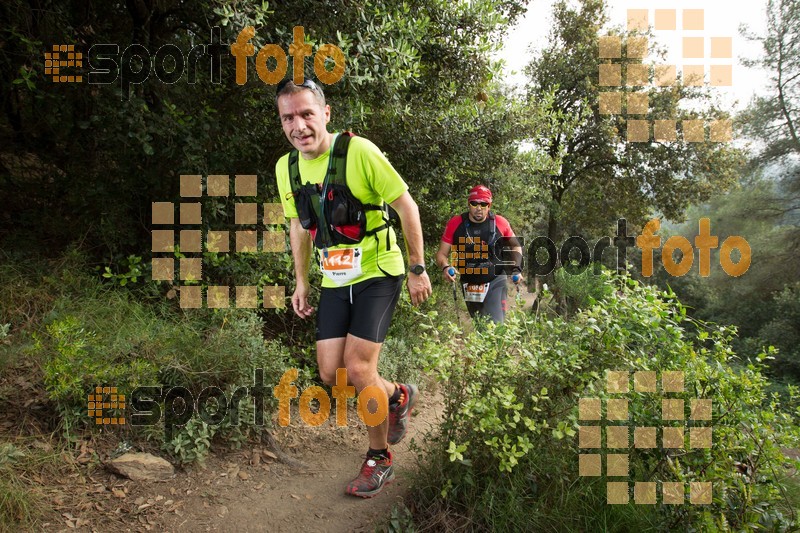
[294, 172]
[337, 169]
[465, 221]
[338, 165]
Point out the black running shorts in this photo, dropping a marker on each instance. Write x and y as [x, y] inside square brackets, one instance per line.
[363, 309]
[495, 304]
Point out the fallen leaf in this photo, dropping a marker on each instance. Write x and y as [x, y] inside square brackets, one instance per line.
[269, 454]
[295, 496]
[118, 493]
[243, 475]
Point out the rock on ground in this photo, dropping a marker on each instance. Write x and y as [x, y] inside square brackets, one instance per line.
[141, 467]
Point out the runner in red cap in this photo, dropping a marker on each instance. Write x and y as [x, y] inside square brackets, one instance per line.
[483, 276]
[479, 193]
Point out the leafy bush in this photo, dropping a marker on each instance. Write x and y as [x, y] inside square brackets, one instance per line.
[783, 332]
[581, 289]
[507, 454]
[403, 353]
[93, 334]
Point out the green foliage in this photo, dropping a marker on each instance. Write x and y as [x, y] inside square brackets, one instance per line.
[192, 443]
[403, 350]
[598, 176]
[77, 363]
[22, 501]
[761, 303]
[93, 334]
[582, 289]
[401, 520]
[507, 454]
[783, 332]
[87, 164]
[773, 118]
[17, 504]
[134, 266]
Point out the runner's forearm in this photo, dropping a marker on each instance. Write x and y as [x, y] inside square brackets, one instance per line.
[443, 255]
[300, 242]
[408, 212]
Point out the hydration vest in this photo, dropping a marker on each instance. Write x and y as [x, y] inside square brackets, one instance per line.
[478, 249]
[329, 210]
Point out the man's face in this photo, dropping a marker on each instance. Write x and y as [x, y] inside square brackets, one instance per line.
[304, 122]
[479, 210]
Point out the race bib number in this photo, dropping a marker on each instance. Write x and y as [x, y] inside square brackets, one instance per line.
[341, 266]
[475, 292]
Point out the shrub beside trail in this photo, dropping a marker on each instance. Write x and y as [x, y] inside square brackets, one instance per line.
[506, 457]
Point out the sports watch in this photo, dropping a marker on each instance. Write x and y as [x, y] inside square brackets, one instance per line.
[417, 269]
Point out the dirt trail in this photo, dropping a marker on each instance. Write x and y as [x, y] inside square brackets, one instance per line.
[248, 490]
[310, 499]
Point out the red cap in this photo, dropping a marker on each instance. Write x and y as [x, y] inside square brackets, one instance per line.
[479, 193]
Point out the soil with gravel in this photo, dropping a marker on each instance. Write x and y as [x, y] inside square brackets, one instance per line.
[300, 488]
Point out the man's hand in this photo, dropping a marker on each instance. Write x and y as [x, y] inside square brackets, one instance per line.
[419, 287]
[447, 275]
[300, 302]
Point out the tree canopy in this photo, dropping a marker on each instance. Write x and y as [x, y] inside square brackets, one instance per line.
[600, 174]
[85, 161]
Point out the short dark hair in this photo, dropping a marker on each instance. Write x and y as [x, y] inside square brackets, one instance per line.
[288, 86]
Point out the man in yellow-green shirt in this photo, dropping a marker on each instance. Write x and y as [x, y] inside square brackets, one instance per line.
[362, 281]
